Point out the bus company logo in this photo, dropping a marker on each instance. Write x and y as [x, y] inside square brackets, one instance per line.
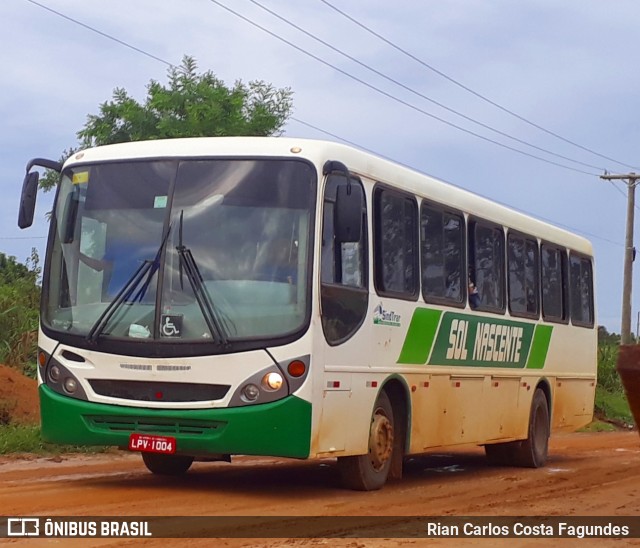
[385, 317]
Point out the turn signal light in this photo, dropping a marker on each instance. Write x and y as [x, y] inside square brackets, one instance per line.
[296, 368]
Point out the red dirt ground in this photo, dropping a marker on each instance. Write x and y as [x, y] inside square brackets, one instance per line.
[19, 402]
[587, 475]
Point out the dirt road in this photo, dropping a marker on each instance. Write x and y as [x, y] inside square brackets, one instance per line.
[587, 474]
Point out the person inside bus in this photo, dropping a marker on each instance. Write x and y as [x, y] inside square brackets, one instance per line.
[118, 263]
[474, 296]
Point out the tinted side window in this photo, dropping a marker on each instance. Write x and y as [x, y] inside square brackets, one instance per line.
[522, 261]
[553, 276]
[441, 248]
[581, 291]
[396, 254]
[487, 265]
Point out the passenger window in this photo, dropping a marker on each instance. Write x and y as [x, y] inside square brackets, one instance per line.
[522, 260]
[553, 261]
[581, 291]
[396, 246]
[441, 248]
[486, 272]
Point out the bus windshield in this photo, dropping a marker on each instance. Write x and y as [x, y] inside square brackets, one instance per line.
[181, 250]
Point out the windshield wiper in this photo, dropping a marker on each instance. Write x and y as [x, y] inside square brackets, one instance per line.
[190, 267]
[148, 268]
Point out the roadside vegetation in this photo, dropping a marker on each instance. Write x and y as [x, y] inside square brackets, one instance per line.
[21, 438]
[611, 407]
[19, 303]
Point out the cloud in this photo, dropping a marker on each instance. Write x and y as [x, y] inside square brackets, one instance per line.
[563, 65]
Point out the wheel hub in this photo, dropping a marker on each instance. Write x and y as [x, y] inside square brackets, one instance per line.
[380, 441]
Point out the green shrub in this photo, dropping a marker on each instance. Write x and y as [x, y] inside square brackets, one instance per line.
[608, 377]
[19, 304]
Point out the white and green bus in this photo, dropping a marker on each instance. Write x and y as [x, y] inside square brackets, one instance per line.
[211, 297]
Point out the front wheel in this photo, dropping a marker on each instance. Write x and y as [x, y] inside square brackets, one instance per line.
[369, 472]
[167, 465]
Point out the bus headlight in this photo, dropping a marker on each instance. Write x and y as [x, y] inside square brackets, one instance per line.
[62, 380]
[272, 381]
[250, 393]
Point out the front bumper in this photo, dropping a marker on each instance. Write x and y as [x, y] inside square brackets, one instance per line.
[280, 429]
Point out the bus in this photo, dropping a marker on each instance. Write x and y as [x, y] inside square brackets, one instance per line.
[210, 297]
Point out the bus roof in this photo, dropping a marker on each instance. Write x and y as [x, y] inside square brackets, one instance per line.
[362, 163]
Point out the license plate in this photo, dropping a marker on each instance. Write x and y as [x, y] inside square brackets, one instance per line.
[152, 444]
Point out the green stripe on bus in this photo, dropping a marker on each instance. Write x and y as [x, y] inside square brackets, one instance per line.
[539, 347]
[420, 336]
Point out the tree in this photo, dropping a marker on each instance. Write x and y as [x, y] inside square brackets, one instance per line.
[606, 338]
[191, 105]
[11, 270]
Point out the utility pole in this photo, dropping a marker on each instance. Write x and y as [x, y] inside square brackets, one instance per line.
[631, 179]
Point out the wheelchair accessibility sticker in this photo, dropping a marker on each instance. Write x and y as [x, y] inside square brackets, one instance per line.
[171, 325]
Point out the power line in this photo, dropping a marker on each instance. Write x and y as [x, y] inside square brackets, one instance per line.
[622, 193]
[556, 223]
[393, 97]
[419, 94]
[22, 237]
[468, 89]
[631, 180]
[104, 34]
[121, 42]
[143, 52]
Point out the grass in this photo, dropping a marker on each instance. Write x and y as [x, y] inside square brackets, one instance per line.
[599, 426]
[20, 439]
[16, 438]
[611, 405]
[614, 406]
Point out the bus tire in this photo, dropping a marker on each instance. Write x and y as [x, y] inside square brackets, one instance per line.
[499, 454]
[167, 465]
[532, 452]
[369, 472]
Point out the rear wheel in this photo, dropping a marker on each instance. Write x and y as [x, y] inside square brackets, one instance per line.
[369, 472]
[532, 452]
[167, 465]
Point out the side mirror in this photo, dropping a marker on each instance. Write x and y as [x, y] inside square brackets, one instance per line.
[348, 212]
[30, 190]
[28, 200]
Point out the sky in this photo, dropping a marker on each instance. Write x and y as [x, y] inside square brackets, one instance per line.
[568, 67]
